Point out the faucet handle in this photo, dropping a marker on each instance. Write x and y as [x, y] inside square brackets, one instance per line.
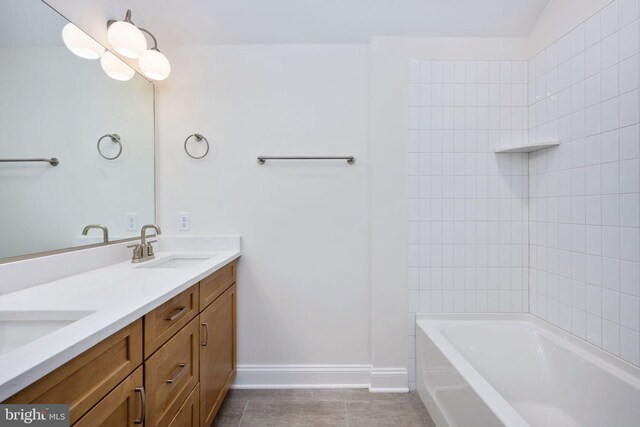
[150, 249]
[137, 252]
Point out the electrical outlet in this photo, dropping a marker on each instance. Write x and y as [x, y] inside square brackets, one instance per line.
[132, 222]
[184, 221]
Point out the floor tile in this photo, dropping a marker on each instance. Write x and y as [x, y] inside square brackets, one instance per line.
[284, 394]
[322, 407]
[230, 413]
[357, 394]
[292, 413]
[411, 413]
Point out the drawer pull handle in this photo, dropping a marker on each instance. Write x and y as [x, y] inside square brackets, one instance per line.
[206, 334]
[180, 311]
[181, 372]
[143, 405]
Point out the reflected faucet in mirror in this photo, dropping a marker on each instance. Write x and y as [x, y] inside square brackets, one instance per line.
[105, 231]
[144, 251]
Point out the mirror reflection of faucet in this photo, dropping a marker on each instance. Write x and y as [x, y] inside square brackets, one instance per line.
[144, 251]
[105, 231]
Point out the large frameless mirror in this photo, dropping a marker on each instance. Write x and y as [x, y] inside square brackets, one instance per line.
[76, 146]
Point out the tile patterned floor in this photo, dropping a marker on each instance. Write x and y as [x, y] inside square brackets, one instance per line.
[310, 408]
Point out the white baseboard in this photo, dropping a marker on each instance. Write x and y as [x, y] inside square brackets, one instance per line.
[389, 380]
[321, 376]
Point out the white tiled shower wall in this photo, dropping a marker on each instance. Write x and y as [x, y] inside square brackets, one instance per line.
[468, 207]
[472, 212]
[584, 194]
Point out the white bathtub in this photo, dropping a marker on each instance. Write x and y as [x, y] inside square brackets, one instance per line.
[516, 370]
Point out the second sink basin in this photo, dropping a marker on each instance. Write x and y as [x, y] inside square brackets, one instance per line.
[18, 328]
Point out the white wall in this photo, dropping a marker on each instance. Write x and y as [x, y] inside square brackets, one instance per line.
[561, 16]
[303, 294]
[62, 113]
[585, 194]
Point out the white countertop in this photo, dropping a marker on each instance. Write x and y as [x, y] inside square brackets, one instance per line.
[117, 295]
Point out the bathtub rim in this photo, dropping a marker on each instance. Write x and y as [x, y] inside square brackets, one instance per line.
[431, 325]
[494, 401]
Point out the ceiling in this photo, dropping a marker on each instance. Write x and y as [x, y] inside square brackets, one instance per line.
[311, 21]
[334, 21]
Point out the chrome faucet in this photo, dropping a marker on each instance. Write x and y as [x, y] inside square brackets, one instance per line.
[105, 231]
[144, 251]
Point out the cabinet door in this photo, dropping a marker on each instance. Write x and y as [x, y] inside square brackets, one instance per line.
[189, 413]
[122, 407]
[217, 353]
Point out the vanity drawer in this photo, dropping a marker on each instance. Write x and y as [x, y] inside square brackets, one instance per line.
[189, 413]
[171, 373]
[123, 407]
[163, 322]
[214, 285]
[85, 380]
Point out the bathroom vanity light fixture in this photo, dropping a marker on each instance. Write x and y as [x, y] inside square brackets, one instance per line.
[129, 41]
[80, 43]
[116, 68]
[126, 38]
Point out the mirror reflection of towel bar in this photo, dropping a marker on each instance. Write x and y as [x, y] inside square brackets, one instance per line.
[52, 161]
[350, 159]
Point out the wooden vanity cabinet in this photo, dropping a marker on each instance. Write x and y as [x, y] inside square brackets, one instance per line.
[208, 342]
[123, 406]
[189, 347]
[217, 353]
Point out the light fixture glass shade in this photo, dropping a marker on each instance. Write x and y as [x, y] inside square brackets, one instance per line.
[127, 39]
[115, 67]
[155, 65]
[80, 43]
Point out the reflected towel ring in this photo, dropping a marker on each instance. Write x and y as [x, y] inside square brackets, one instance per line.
[198, 138]
[115, 138]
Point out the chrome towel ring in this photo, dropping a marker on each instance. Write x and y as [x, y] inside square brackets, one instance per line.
[198, 138]
[115, 138]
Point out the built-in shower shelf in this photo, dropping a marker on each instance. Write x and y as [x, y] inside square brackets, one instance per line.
[528, 148]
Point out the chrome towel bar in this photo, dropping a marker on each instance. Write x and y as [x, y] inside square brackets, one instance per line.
[52, 161]
[262, 159]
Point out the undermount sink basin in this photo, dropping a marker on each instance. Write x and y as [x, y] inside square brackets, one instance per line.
[176, 261]
[18, 328]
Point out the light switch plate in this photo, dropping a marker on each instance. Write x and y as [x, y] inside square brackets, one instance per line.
[184, 221]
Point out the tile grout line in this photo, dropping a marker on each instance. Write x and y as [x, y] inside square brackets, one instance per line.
[243, 412]
[346, 414]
